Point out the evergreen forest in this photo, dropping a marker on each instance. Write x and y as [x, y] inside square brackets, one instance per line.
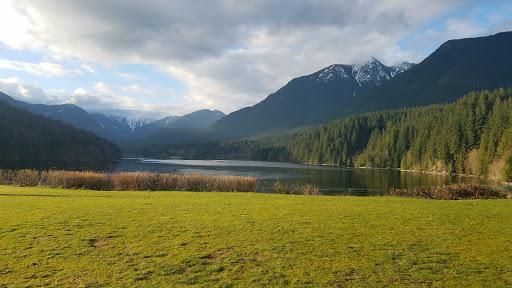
[33, 141]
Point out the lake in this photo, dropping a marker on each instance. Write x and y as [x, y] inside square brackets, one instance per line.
[329, 179]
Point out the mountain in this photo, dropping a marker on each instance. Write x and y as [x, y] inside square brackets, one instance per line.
[67, 113]
[33, 141]
[189, 126]
[454, 69]
[198, 120]
[307, 100]
[129, 125]
[119, 128]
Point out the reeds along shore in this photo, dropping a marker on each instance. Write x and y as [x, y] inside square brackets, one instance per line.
[450, 192]
[128, 181]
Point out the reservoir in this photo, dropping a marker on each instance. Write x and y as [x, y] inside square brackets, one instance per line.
[325, 177]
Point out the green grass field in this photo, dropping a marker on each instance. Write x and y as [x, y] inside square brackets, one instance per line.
[80, 238]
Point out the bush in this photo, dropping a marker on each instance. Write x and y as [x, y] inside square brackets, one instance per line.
[26, 178]
[296, 189]
[78, 180]
[6, 177]
[450, 192]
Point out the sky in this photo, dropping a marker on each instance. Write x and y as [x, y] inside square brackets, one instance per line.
[170, 57]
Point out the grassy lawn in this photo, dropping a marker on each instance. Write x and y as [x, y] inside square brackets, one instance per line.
[80, 238]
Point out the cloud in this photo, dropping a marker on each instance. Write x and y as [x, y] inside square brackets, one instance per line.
[104, 99]
[138, 90]
[133, 31]
[231, 54]
[42, 69]
[28, 92]
[15, 27]
[88, 68]
[104, 88]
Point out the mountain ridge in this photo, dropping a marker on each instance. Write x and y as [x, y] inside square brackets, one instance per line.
[116, 127]
[303, 100]
[456, 68]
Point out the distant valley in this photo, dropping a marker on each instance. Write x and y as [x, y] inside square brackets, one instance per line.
[117, 127]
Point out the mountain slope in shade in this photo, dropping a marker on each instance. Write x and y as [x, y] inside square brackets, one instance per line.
[121, 128]
[33, 141]
[179, 125]
[67, 113]
[306, 100]
[198, 119]
[454, 69]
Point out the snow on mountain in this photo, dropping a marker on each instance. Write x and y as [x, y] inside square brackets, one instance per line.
[404, 66]
[332, 73]
[132, 121]
[372, 73]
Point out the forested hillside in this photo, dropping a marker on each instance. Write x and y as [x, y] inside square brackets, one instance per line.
[32, 141]
[471, 136]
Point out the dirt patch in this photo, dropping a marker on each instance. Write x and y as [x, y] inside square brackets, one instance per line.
[102, 243]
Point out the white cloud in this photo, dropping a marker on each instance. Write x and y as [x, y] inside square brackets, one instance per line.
[104, 88]
[42, 69]
[88, 68]
[15, 27]
[100, 101]
[138, 90]
[79, 91]
[29, 92]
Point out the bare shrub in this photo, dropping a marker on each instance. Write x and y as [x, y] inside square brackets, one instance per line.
[450, 192]
[308, 189]
[6, 177]
[171, 182]
[130, 181]
[133, 181]
[26, 177]
[78, 180]
[295, 188]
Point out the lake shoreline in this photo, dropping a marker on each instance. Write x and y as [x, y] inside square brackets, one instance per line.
[324, 176]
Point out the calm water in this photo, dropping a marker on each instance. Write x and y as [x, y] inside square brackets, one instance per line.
[330, 178]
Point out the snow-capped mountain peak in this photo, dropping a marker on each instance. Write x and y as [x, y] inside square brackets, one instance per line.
[132, 121]
[332, 73]
[404, 66]
[373, 70]
[372, 73]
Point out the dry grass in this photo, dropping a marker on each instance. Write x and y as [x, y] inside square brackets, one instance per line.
[26, 178]
[124, 181]
[450, 192]
[296, 188]
[77, 179]
[6, 177]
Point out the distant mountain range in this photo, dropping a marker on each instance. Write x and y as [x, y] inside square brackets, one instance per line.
[188, 127]
[115, 127]
[307, 100]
